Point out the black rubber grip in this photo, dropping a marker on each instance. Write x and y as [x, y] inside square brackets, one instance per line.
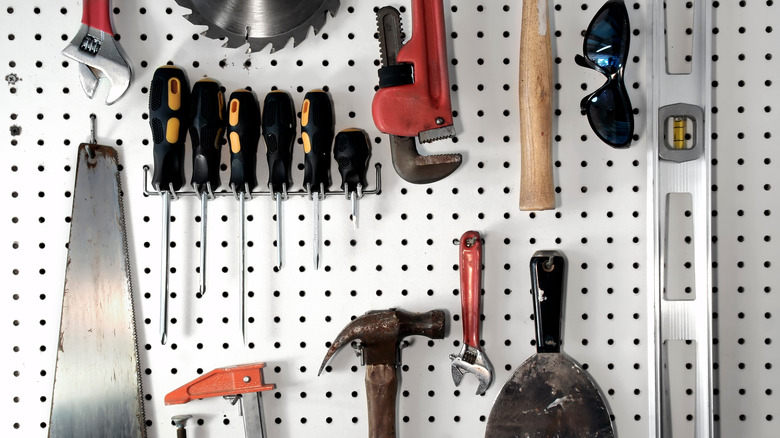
[352, 151]
[207, 132]
[169, 96]
[548, 277]
[279, 126]
[243, 131]
[317, 129]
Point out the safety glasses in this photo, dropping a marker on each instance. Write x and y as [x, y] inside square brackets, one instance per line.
[605, 48]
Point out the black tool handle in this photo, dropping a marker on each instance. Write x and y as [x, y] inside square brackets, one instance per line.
[279, 126]
[317, 129]
[352, 151]
[169, 96]
[243, 135]
[548, 277]
[206, 133]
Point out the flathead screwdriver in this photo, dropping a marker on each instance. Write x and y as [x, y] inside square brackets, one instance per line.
[168, 104]
[279, 133]
[352, 151]
[243, 135]
[206, 133]
[317, 126]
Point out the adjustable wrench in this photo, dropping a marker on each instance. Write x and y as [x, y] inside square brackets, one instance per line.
[470, 358]
[97, 53]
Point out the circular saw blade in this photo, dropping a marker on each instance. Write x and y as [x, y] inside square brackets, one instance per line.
[259, 22]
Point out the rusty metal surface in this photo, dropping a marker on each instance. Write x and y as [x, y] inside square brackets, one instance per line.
[381, 331]
[97, 388]
[549, 396]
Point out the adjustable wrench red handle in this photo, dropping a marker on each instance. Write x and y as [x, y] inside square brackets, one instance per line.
[407, 110]
[96, 13]
[470, 285]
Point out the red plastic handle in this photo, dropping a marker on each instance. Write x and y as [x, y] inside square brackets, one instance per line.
[241, 379]
[470, 285]
[96, 14]
[407, 110]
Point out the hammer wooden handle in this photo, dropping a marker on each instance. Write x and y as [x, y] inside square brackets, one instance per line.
[536, 64]
[381, 391]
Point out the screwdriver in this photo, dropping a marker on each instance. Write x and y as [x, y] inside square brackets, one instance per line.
[208, 127]
[243, 135]
[279, 133]
[317, 126]
[352, 152]
[168, 100]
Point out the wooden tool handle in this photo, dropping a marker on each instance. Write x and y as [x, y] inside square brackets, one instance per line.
[381, 391]
[536, 180]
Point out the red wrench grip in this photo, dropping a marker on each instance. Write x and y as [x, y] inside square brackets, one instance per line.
[407, 110]
[470, 285]
[96, 14]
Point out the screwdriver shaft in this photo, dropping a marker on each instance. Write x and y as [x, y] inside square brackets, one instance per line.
[164, 259]
[353, 201]
[278, 230]
[242, 262]
[316, 220]
[203, 207]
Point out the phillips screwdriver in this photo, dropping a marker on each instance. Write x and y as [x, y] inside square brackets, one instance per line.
[243, 135]
[279, 133]
[352, 151]
[206, 133]
[317, 129]
[168, 102]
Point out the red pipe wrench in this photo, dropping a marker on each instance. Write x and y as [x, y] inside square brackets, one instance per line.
[414, 94]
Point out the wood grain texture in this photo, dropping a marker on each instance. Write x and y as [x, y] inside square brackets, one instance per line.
[536, 179]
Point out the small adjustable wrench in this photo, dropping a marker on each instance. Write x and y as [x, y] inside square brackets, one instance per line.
[97, 53]
[470, 358]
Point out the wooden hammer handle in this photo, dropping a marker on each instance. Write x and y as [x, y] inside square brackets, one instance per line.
[381, 392]
[536, 65]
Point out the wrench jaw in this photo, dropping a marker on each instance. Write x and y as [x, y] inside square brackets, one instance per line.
[99, 56]
[472, 360]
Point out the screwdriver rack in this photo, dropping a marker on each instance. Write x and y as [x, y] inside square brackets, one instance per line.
[402, 255]
[222, 193]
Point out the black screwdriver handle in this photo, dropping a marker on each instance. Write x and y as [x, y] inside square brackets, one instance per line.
[317, 129]
[169, 96]
[208, 128]
[352, 151]
[243, 135]
[279, 126]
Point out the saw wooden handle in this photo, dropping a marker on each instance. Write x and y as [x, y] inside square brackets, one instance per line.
[381, 391]
[536, 65]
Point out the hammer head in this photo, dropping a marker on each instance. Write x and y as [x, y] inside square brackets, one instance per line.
[381, 332]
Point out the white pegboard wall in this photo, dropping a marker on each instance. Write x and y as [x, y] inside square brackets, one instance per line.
[402, 255]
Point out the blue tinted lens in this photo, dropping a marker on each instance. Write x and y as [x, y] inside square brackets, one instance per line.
[606, 41]
[610, 114]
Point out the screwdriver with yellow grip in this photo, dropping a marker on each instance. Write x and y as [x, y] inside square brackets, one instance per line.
[168, 117]
[317, 130]
[243, 131]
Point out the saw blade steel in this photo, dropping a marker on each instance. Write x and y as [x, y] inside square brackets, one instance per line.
[97, 387]
[260, 22]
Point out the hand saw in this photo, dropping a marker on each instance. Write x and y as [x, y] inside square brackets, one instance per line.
[97, 387]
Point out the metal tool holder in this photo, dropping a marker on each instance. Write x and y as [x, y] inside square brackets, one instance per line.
[679, 153]
[222, 193]
[402, 254]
